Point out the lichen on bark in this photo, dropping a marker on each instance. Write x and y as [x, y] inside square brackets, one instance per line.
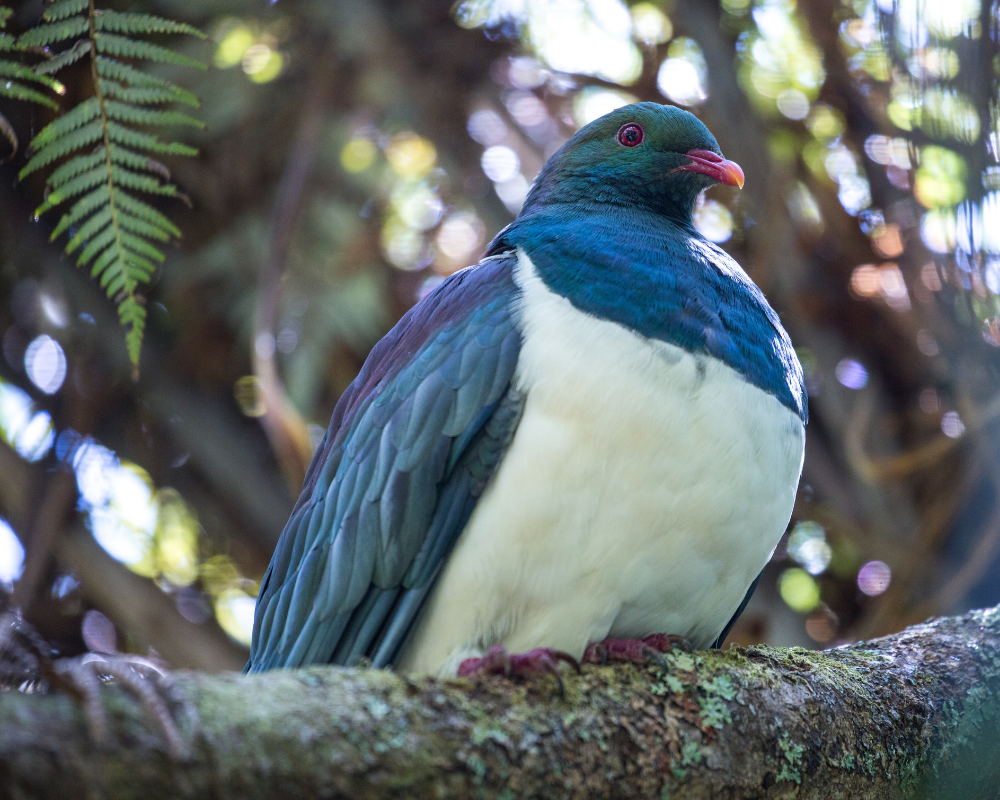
[911, 715]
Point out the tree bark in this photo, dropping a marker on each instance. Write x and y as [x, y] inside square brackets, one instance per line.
[916, 714]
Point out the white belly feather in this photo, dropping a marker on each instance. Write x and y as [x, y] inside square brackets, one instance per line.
[643, 491]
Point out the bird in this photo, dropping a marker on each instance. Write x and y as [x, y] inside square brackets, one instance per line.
[591, 438]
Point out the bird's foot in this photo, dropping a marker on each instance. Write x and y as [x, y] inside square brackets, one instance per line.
[26, 662]
[497, 661]
[636, 650]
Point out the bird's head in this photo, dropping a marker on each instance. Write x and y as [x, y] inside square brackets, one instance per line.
[641, 155]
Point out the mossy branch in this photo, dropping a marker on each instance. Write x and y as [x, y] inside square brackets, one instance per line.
[916, 715]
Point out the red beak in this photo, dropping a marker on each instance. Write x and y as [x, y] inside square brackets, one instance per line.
[715, 166]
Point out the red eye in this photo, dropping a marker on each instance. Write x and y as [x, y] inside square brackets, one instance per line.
[631, 134]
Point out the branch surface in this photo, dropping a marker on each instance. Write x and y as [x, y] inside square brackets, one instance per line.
[916, 714]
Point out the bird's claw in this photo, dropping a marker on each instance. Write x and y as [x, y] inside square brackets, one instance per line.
[639, 651]
[143, 678]
[497, 661]
[26, 662]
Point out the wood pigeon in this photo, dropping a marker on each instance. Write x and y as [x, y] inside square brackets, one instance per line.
[596, 433]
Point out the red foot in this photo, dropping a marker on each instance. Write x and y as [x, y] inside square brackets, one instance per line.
[637, 650]
[497, 661]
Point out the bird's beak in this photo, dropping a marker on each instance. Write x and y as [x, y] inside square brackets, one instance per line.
[715, 166]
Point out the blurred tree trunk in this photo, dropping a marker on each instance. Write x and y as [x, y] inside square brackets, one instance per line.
[910, 715]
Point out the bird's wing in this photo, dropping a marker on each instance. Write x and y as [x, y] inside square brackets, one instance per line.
[411, 446]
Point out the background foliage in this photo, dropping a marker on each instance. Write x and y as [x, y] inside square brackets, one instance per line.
[353, 154]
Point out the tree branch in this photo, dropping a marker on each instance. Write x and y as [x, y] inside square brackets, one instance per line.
[911, 715]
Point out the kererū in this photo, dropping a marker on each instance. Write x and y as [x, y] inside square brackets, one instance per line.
[595, 433]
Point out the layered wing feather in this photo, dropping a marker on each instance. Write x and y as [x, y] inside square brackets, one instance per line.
[410, 448]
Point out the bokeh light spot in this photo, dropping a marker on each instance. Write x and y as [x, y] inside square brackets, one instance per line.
[807, 545]
[952, 425]
[798, 589]
[793, 104]
[357, 155]
[45, 363]
[460, 235]
[410, 155]
[821, 625]
[851, 373]
[865, 280]
[249, 395]
[11, 554]
[487, 127]
[713, 221]
[874, 578]
[500, 163]
[233, 46]
[650, 25]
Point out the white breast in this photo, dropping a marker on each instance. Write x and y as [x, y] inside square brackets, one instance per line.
[644, 490]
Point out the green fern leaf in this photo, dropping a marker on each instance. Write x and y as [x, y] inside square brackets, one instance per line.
[128, 158]
[103, 239]
[144, 183]
[62, 9]
[132, 315]
[64, 59]
[111, 231]
[76, 118]
[81, 208]
[18, 91]
[145, 141]
[138, 245]
[110, 68]
[81, 137]
[54, 32]
[123, 47]
[11, 69]
[74, 167]
[146, 212]
[89, 230]
[72, 188]
[148, 94]
[142, 228]
[15, 88]
[148, 116]
[118, 22]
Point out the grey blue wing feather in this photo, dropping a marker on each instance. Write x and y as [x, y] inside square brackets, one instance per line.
[411, 447]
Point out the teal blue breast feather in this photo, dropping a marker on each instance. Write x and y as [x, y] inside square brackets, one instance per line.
[409, 450]
[663, 280]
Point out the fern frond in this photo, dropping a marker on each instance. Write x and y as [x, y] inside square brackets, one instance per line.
[110, 68]
[125, 112]
[144, 183]
[119, 22]
[123, 47]
[74, 167]
[72, 188]
[14, 80]
[65, 58]
[87, 111]
[18, 91]
[112, 232]
[63, 146]
[144, 211]
[132, 315]
[54, 32]
[62, 9]
[146, 141]
[148, 94]
[81, 208]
